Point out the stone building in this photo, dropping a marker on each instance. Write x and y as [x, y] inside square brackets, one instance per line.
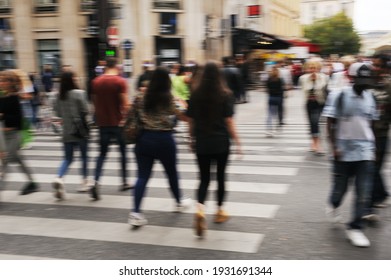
[38, 33]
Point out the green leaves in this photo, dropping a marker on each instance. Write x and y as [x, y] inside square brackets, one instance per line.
[335, 35]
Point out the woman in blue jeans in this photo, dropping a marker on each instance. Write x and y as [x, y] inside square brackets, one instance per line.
[71, 105]
[156, 110]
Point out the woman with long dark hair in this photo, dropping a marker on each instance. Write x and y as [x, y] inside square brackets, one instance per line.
[156, 112]
[71, 106]
[211, 127]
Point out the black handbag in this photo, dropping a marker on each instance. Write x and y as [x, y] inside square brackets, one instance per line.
[81, 128]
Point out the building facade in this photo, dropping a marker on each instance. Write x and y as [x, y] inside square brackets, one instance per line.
[312, 10]
[38, 33]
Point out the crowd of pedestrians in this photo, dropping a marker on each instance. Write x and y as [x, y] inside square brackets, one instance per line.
[352, 96]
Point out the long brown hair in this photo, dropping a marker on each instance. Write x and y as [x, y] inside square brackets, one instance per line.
[67, 83]
[209, 93]
[158, 95]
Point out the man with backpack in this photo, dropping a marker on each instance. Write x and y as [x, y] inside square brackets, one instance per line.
[350, 114]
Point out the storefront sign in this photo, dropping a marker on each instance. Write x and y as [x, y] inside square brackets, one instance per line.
[254, 11]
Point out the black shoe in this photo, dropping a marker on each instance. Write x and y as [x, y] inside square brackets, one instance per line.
[94, 192]
[125, 187]
[29, 188]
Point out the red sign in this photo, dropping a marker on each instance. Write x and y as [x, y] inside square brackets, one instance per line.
[112, 36]
[254, 10]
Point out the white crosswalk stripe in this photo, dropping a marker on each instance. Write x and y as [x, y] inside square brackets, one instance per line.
[266, 169]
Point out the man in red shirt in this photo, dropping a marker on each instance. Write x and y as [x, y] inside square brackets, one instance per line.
[110, 98]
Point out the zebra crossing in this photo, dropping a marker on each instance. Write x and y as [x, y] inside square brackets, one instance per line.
[78, 228]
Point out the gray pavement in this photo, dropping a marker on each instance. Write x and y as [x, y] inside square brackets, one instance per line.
[276, 199]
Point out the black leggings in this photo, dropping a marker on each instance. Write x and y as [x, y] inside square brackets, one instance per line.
[204, 164]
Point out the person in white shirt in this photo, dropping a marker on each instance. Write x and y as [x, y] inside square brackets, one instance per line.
[314, 85]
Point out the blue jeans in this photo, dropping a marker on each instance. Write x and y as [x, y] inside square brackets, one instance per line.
[150, 146]
[68, 157]
[363, 173]
[274, 107]
[105, 135]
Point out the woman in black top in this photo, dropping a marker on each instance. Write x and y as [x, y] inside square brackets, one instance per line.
[12, 116]
[275, 89]
[211, 127]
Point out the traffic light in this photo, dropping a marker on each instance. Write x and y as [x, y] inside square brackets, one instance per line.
[110, 52]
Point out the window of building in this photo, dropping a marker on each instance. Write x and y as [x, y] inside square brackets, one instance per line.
[168, 22]
[7, 56]
[46, 6]
[88, 5]
[49, 55]
[313, 11]
[5, 6]
[166, 4]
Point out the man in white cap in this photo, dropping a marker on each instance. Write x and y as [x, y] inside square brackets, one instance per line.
[350, 114]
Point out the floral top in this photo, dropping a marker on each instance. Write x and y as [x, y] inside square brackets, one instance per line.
[163, 120]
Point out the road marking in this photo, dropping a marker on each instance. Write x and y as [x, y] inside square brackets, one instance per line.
[231, 168]
[185, 184]
[120, 232]
[235, 209]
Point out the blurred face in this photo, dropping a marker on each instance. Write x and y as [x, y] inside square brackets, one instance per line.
[377, 65]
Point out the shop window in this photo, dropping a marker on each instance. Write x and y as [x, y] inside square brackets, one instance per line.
[167, 4]
[46, 6]
[49, 55]
[5, 6]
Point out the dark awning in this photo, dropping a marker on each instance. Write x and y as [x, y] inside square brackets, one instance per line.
[247, 39]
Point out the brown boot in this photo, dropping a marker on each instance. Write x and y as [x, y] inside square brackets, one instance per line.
[200, 224]
[221, 216]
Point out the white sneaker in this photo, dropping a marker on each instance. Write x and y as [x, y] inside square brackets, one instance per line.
[183, 205]
[84, 187]
[333, 214]
[269, 134]
[372, 217]
[357, 238]
[137, 219]
[385, 203]
[59, 191]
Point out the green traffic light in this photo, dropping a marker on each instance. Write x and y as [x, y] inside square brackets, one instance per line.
[110, 53]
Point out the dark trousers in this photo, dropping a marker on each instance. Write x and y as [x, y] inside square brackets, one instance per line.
[204, 165]
[362, 171]
[379, 192]
[105, 135]
[150, 146]
[314, 111]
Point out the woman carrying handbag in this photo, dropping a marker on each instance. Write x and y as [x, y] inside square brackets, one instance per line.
[71, 106]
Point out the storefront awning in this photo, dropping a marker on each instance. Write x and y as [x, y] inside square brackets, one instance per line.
[247, 39]
[312, 48]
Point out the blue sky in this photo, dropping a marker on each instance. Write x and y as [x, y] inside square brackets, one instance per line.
[372, 15]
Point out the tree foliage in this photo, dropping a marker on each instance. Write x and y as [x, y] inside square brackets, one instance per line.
[335, 35]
